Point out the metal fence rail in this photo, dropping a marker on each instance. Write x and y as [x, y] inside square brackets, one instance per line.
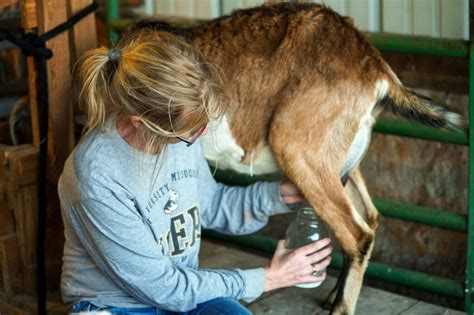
[429, 216]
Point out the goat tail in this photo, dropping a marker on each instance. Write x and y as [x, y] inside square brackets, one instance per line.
[413, 106]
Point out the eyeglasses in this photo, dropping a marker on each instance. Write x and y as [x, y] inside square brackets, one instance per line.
[189, 141]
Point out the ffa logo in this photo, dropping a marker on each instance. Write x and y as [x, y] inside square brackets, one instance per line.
[172, 202]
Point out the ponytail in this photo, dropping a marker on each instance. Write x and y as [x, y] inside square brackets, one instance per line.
[94, 87]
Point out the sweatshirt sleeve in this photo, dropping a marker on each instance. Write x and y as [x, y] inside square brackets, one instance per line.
[123, 247]
[237, 210]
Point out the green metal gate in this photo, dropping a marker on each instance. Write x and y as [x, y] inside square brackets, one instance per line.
[429, 216]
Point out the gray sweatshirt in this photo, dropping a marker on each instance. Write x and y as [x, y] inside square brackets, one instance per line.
[133, 225]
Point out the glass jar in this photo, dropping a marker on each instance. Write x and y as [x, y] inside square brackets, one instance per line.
[305, 229]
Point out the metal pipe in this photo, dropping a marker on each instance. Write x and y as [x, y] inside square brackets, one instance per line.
[113, 14]
[420, 45]
[469, 284]
[399, 210]
[429, 216]
[416, 130]
[374, 270]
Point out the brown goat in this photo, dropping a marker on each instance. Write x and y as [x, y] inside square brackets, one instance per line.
[303, 88]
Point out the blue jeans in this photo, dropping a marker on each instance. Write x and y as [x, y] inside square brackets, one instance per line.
[219, 306]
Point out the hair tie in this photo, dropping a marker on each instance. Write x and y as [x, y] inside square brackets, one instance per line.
[115, 55]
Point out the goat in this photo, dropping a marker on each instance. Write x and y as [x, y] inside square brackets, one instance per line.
[304, 87]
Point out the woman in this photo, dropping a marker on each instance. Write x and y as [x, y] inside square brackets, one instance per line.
[136, 192]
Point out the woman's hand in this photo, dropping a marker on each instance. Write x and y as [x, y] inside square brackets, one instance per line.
[290, 267]
[289, 193]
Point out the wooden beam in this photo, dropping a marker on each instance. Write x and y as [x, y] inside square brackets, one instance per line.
[11, 24]
[10, 264]
[84, 33]
[29, 22]
[60, 136]
[7, 220]
[6, 308]
[83, 36]
[29, 18]
[20, 165]
[4, 4]
[28, 303]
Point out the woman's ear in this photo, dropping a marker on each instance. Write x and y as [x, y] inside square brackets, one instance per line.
[136, 121]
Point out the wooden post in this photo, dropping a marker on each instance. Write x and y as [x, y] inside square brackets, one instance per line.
[7, 220]
[19, 169]
[29, 21]
[60, 136]
[4, 4]
[11, 272]
[83, 35]
[40, 16]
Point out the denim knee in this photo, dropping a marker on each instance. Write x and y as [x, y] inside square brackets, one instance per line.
[221, 306]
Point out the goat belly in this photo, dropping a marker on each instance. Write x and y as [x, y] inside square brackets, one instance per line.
[359, 145]
[221, 149]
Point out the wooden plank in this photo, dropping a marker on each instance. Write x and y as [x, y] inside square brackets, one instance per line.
[60, 136]
[7, 221]
[29, 19]
[369, 302]
[16, 61]
[83, 38]
[288, 301]
[21, 176]
[6, 217]
[10, 264]
[5, 4]
[29, 22]
[308, 301]
[8, 309]
[6, 214]
[33, 99]
[84, 33]
[20, 164]
[28, 304]
[4, 134]
[422, 308]
[215, 255]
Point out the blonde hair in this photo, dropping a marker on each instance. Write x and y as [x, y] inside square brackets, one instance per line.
[158, 77]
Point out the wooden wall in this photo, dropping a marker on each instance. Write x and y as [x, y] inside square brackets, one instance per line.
[19, 164]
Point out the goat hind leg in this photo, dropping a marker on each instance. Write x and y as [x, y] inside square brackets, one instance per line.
[357, 191]
[325, 193]
[354, 270]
